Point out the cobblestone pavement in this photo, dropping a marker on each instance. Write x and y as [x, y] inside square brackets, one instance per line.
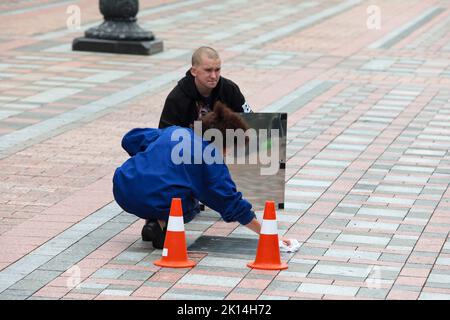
[368, 165]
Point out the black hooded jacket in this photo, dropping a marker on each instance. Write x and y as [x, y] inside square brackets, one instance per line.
[181, 106]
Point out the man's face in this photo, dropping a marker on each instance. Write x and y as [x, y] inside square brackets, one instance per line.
[207, 73]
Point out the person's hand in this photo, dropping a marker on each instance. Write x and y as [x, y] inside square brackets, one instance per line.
[286, 241]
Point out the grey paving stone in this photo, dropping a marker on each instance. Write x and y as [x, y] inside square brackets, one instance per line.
[417, 253]
[270, 297]
[75, 253]
[24, 287]
[116, 226]
[123, 219]
[210, 280]
[383, 212]
[443, 261]
[437, 278]
[373, 225]
[131, 256]
[15, 294]
[396, 189]
[247, 291]
[350, 254]
[283, 286]
[108, 273]
[378, 64]
[189, 296]
[323, 236]
[335, 277]
[114, 292]
[402, 242]
[363, 239]
[41, 298]
[90, 243]
[136, 275]
[212, 261]
[390, 257]
[406, 288]
[410, 228]
[158, 284]
[338, 223]
[92, 291]
[192, 226]
[57, 265]
[123, 287]
[372, 293]
[242, 270]
[91, 284]
[418, 265]
[434, 296]
[327, 289]
[360, 186]
[437, 235]
[396, 200]
[347, 270]
[52, 95]
[289, 206]
[311, 251]
[127, 263]
[308, 183]
[200, 294]
[387, 275]
[104, 234]
[146, 261]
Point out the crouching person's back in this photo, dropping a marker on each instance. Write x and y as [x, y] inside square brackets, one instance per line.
[144, 184]
[168, 163]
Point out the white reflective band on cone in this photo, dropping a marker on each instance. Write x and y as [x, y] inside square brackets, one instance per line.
[165, 252]
[175, 224]
[269, 227]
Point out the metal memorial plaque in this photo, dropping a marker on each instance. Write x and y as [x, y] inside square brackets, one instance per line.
[260, 173]
[226, 245]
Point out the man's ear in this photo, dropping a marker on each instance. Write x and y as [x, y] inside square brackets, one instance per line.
[193, 71]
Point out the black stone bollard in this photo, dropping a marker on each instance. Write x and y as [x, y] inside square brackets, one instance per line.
[120, 32]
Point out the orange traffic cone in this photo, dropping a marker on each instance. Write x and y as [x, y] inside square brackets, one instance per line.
[268, 252]
[174, 253]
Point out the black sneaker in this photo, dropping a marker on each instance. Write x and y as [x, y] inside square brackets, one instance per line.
[152, 232]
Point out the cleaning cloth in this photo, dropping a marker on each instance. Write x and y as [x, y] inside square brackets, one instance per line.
[293, 247]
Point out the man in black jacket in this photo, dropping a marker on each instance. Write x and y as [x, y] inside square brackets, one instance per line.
[196, 94]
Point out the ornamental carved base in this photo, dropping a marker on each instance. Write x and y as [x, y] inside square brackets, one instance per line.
[120, 32]
[118, 46]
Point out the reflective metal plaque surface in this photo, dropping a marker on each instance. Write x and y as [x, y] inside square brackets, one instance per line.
[260, 173]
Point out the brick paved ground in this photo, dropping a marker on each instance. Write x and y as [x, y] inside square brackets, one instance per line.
[368, 165]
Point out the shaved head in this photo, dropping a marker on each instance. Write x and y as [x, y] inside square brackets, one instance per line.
[201, 52]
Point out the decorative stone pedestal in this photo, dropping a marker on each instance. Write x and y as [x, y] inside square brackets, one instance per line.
[119, 33]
